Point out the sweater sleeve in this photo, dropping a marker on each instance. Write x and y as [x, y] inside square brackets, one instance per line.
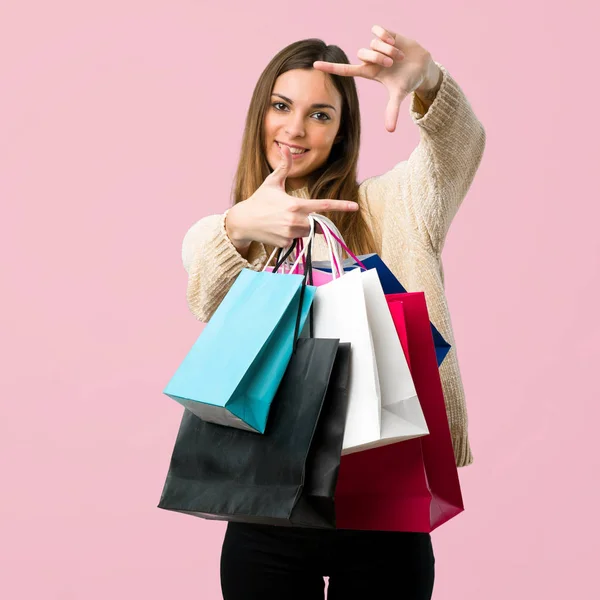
[213, 263]
[435, 179]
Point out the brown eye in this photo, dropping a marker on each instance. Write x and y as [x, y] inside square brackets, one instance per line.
[276, 104]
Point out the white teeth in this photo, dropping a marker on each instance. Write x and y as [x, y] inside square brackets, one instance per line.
[294, 150]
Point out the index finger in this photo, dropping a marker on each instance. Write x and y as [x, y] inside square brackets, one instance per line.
[324, 205]
[342, 69]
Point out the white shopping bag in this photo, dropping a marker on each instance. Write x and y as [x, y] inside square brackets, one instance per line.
[401, 413]
[340, 311]
[383, 404]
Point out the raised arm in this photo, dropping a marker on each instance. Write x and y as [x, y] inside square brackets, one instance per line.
[435, 179]
[446, 160]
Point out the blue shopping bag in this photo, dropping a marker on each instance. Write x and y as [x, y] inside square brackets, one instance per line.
[390, 285]
[232, 372]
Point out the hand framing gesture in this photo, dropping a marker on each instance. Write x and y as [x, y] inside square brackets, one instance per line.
[399, 63]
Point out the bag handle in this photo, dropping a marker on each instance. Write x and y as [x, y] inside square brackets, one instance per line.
[306, 256]
[280, 261]
[332, 247]
[294, 244]
[334, 256]
[334, 242]
[337, 236]
[305, 250]
[307, 278]
[299, 249]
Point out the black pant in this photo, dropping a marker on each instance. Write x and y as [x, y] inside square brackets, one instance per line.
[261, 562]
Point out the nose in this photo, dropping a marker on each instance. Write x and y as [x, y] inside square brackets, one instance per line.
[294, 126]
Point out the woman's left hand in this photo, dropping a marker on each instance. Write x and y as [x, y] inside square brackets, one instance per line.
[398, 62]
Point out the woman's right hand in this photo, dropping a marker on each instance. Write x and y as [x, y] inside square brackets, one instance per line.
[272, 216]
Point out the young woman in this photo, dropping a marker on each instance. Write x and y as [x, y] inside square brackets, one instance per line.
[299, 155]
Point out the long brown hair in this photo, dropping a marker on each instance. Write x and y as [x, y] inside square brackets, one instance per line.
[337, 177]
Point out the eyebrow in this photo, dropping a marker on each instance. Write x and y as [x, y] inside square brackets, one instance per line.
[312, 105]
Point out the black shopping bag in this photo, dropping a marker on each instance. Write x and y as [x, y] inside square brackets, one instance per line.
[286, 476]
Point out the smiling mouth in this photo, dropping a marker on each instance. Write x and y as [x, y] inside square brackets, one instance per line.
[294, 151]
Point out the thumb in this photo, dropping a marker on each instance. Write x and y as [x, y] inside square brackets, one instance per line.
[283, 168]
[392, 110]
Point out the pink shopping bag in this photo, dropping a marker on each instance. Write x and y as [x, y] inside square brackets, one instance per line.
[411, 485]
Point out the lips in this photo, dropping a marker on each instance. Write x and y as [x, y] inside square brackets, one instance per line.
[292, 146]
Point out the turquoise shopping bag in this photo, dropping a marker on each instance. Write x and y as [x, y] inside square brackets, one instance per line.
[232, 372]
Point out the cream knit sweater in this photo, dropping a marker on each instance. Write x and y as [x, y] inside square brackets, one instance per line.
[412, 206]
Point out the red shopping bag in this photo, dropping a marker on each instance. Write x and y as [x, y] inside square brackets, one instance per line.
[411, 485]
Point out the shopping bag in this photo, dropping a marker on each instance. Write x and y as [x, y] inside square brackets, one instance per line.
[232, 371]
[320, 277]
[402, 417]
[390, 284]
[383, 407]
[286, 476]
[339, 311]
[392, 413]
[413, 485]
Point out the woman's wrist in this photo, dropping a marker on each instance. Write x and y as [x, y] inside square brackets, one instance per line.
[427, 93]
[234, 233]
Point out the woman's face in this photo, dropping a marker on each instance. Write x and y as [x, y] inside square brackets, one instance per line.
[304, 110]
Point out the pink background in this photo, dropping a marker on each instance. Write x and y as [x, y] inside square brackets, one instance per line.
[120, 127]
